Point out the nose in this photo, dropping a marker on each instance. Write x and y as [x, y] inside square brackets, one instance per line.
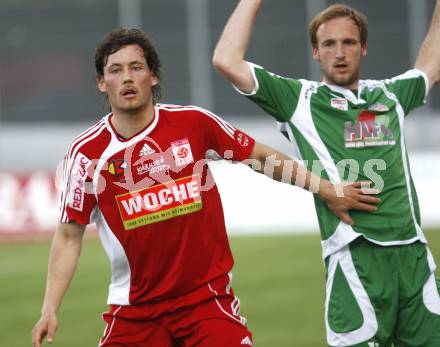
[127, 77]
[340, 51]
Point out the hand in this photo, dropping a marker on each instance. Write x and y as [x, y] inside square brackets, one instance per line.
[345, 196]
[46, 326]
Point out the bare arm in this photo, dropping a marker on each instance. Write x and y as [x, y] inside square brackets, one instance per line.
[64, 256]
[339, 199]
[428, 59]
[229, 53]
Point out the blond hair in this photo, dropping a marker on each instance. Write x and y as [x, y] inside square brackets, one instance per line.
[338, 11]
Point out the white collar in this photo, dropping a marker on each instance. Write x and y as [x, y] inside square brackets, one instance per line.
[347, 93]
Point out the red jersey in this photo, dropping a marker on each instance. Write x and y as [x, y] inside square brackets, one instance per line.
[153, 199]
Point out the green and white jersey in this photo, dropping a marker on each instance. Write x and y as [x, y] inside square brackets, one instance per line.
[347, 137]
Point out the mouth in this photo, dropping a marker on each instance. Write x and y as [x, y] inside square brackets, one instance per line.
[129, 92]
[341, 66]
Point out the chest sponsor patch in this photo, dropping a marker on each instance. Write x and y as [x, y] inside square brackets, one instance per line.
[77, 182]
[368, 130]
[117, 167]
[160, 202]
[182, 152]
[153, 166]
[339, 103]
[378, 107]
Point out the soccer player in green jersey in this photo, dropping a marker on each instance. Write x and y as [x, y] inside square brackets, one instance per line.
[381, 286]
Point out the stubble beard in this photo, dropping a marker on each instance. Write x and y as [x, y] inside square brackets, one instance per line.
[342, 81]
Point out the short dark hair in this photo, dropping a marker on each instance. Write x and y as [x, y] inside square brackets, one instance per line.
[119, 38]
[338, 11]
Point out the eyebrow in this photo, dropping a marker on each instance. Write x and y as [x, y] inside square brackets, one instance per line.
[347, 39]
[130, 63]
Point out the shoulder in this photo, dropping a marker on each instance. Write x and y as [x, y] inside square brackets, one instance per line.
[308, 88]
[411, 74]
[87, 142]
[190, 112]
[407, 75]
[194, 117]
[373, 84]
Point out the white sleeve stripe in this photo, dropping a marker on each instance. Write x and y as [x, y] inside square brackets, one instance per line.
[413, 73]
[63, 191]
[226, 124]
[81, 139]
[426, 79]
[225, 129]
[177, 108]
[78, 140]
[228, 128]
[69, 166]
[252, 67]
[84, 135]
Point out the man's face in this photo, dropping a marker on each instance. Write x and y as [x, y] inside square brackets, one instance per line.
[127, 80]
[339, 52]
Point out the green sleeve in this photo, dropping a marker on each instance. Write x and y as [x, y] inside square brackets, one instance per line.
[276, 95]
[410, 89]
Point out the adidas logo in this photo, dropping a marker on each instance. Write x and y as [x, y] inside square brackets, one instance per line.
[247, 341]
[146, 150]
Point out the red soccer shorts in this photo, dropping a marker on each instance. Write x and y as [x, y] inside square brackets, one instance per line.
[214, 322]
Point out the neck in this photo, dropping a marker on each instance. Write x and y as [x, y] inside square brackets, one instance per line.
[128, 124]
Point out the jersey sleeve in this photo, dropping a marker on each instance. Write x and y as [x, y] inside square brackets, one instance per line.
[275, 94]
[77, 198]
[225, 139]
[410, 88]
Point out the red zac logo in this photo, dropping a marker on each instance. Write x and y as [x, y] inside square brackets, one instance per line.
[77, 182]
[117, 167]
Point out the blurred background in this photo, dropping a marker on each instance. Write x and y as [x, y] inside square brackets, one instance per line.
[48, 93]
[48, 96]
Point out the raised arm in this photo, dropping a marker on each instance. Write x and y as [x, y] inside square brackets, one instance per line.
[64, 256]
[428, 59]
[230, 51]
[339, 198]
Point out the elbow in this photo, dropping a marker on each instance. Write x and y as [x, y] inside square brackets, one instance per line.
[222, 62]
[435, 80]
[219, 62]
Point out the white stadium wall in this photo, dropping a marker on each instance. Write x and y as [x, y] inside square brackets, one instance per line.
[252, 202]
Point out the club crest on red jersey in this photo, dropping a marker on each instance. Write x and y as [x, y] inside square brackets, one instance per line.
[241, 138]
[182, 152]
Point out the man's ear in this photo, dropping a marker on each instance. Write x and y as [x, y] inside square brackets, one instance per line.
[364, 50]
[154, 80]
[100, 83]
[315, 54]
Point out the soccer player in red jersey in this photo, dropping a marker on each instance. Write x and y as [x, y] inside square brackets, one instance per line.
[140, 174]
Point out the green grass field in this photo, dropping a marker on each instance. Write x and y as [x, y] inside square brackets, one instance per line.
[279, 279]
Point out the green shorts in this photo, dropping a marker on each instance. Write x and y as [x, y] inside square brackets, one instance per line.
[378, 296]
